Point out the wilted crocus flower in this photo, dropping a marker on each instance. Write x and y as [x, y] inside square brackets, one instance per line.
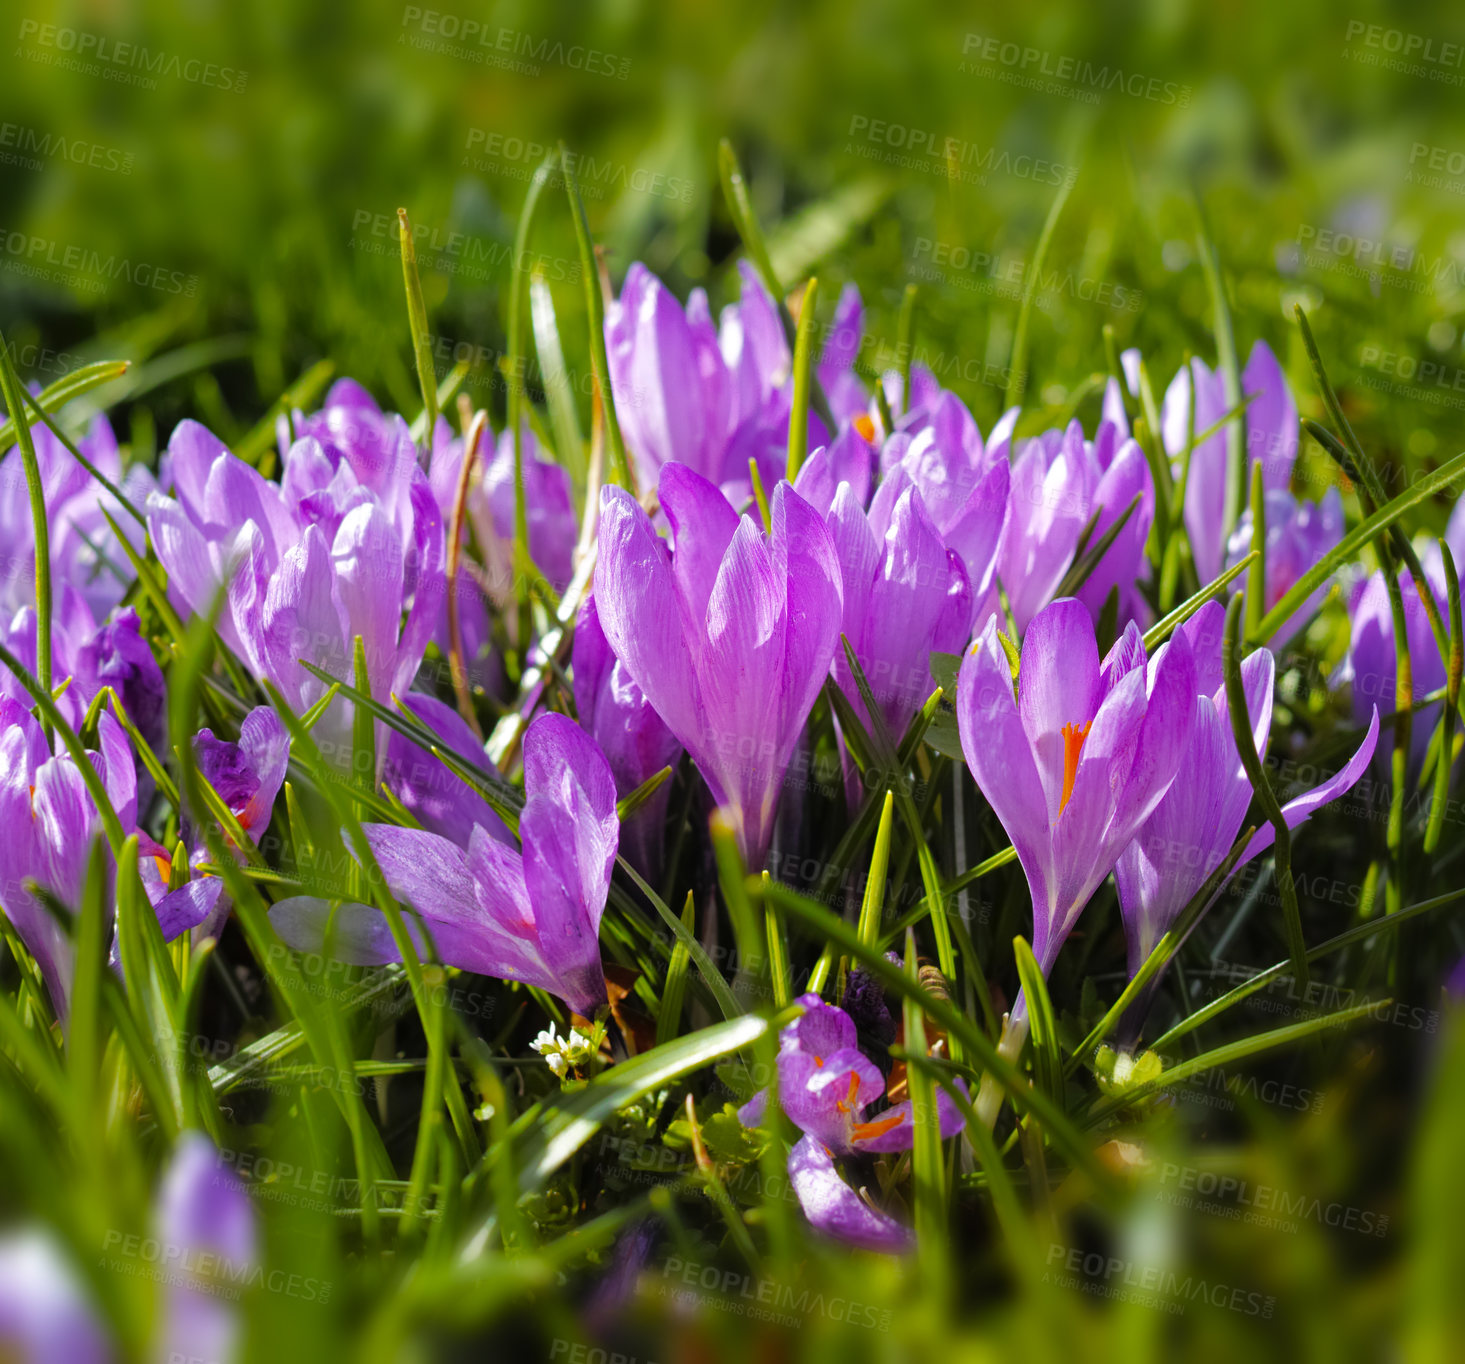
[1193, 827]
[533, 917]
[1059, 482]
[350, 543]
[614, 711]
[206, 1227]
[825, 1084]
[45, 1315]
[729, 633]
[47, 823]
[1195, 402]
[1298, 535]
[1077, 761]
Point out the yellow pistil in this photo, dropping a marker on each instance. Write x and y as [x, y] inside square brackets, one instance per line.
[1073, 737]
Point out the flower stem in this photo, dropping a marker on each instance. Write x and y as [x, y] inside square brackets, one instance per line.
[1009, 1048]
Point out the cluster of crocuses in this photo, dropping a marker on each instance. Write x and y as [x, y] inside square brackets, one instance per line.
[714, 621]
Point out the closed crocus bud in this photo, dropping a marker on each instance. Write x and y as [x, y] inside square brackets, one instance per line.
[728, 632]
[46, 1316]
[205, 1224]
[614, 711]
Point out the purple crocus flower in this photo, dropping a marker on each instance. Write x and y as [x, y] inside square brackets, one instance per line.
[431, 791]
[247, 777]
[614, 711]
[46, 1317]
[1190, 831]
[1059, 481]
[85, 555]
[206, 1226]
[1271, 437]
[728, 633]
[47, 823]
[848, 400]
[1298, 535]
[111, 655]
[673, 392]
[905, 594]
[825, 1084]
[1077, 761]
[1370, 666]
[349, 543]
[533, 917]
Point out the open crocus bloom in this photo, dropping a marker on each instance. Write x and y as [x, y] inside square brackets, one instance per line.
[729, 633]
[533, 917]
[1077, 761]
[1193, 827]
[46, 1315]
[825, 1084]
[247, 777]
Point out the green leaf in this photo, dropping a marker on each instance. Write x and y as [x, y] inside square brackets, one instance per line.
[928, 1171]
[417, 320]
[1048, 1061]
[1018, 374]
[71, 385]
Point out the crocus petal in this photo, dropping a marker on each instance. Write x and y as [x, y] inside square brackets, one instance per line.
[1271, 417]
[902, 1136]
[1058, 686]
[188, 906]
[570, 831]
[1296, 811]
[702, 523]
[836, 1209]
[45, 1317]
[265, 742]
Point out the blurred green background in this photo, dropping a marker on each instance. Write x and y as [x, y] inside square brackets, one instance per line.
[230, 177]
[209, 188]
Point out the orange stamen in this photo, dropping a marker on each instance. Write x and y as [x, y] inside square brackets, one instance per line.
[818, 1063]
[165, 867]
[1073, 737]
[847, 1104]
[868, 1131]
[865, 427]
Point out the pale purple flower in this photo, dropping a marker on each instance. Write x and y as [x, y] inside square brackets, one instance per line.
[46, 1316]
[729, 633]
[1075, 763]
[431, 791]
[47, 823]
[533, 917]
[1190, 831]
[349, 543]
[1271, 438]
[205, 1224]
[1298, 535]
[1059, 481]
[614, 711]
